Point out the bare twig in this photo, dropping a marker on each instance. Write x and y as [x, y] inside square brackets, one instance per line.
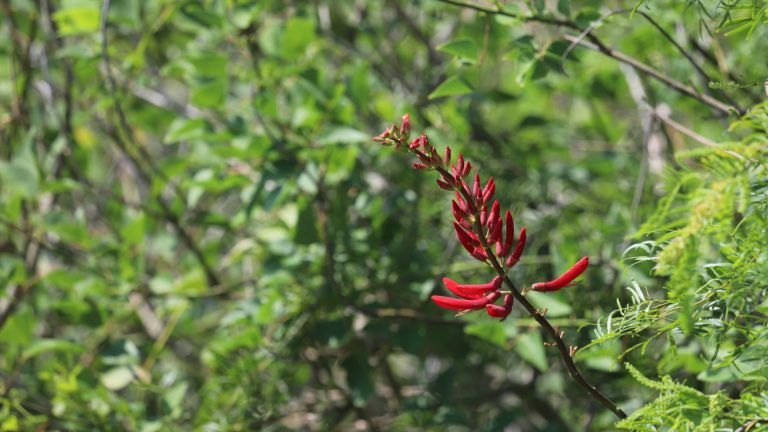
[149, 319]
[663, 115]
[648, 122]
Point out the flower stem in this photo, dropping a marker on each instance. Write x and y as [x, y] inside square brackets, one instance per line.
[559, 342]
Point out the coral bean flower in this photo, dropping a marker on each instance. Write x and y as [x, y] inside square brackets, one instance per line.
[478, 222]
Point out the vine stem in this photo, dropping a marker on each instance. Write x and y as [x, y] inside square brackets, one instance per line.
[562, 348]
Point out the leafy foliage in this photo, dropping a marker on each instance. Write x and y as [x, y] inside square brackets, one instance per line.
[709, 235]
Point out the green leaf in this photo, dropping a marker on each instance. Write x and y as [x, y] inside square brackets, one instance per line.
[530, 71]
[554, 305]
[41, 346]
[359, 379]
[359, 87]
[723, 374]
[210, 95]
[601, 357]
[763, 308]
[185, 129]
[174, 397]
[133, 231]
[18, 329]
[207, 64]
[117, 378]
[20, 176]
[11, 423]
[453, 86]
[586, 17]
[531, 348]
[306, 225]
[492, 331]
[193, 282]
[464, 48]
[77, 20]
[298, 34]
[342, 135]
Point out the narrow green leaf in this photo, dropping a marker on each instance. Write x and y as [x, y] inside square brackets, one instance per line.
[342, 135]
[464, 48]
[531, 348]
[359, 379]
[117, 378]
[50, 345]
[184, 129]
[453, 86]
[555, 306]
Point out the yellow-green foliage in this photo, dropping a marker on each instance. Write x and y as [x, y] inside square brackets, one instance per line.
[683, 408]
[711, 233]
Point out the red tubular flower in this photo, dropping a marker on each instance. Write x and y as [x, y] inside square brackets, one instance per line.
[405, 128]
[436, 159]
[385, 138]
[479, 254]
[515, 257]
[472, 291]
[458, 213]
[461, 203]
[565, 279]
[510, 234]
[469, 205]
[425, 143]
[489, 190]
[495, 211]
[466, 170]
[444, 185]
[476, 187]
[462, 304]
[465, 239]
[495, 311]
[494, 234]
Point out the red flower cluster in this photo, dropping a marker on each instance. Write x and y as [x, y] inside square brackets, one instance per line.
[478, 223]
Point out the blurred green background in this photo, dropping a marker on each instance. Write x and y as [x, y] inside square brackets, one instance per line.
[196, 232]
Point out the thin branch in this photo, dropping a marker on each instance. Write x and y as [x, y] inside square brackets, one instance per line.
[495, 10]
[704, 76]
[118, 106]
[648, 123]
[565, 353]
[664, 117]
[402, 15]
[170, 216]
[33, 246]
[162, 100]
[596, 44]
[713, 60]
[642, 67]
[679, 48]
